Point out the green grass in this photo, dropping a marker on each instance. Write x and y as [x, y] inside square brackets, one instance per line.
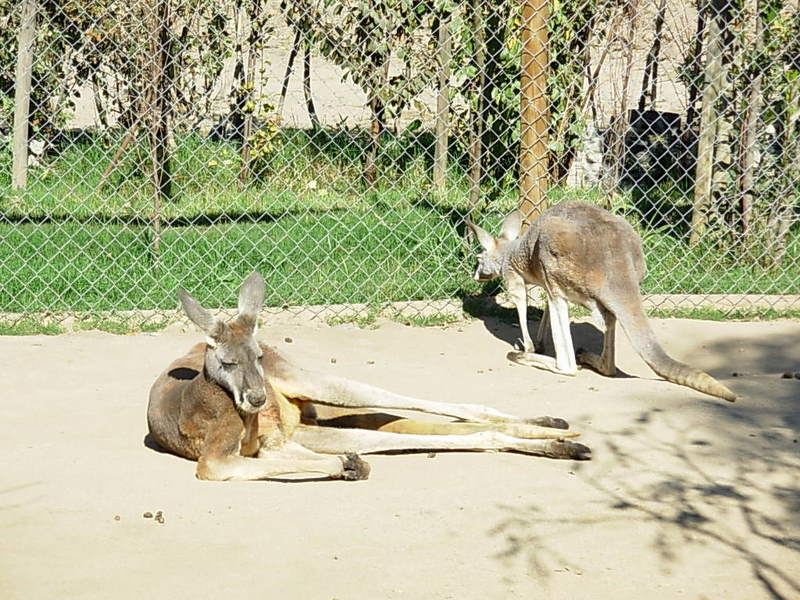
[29, 327]
[430, 320]
[305, 221]
[312, 259]
[713, 314]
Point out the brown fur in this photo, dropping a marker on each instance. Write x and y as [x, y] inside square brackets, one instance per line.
[272, 431]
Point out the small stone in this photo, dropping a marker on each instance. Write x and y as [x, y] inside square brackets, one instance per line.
[148, 515]
[735, 374]
[370, 362]
[797, 374]
[288, 340]
[433, 454]
[333, 361]
[117, 517]
[787, 375]
[160, 517]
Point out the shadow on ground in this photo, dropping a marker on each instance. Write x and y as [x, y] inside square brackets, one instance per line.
[711, 480]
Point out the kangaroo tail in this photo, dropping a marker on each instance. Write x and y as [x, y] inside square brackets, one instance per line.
[641, 335]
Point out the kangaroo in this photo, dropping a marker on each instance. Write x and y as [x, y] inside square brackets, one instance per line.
[581, 253]
[245, 412]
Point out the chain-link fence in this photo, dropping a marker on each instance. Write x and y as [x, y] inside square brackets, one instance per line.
[339, 147]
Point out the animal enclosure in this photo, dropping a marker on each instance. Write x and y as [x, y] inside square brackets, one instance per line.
[340, 147]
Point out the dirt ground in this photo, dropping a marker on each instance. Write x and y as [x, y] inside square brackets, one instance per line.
[686, 496]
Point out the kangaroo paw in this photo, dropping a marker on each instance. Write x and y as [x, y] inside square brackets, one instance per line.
[538, 361]
[554, 422]
[595, 362]
[354, 468]
[568, 450]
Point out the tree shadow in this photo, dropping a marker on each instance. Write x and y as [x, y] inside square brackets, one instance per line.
[712, 478]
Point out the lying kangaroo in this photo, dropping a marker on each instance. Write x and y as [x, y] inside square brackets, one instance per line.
[243, 411]
[584, 254]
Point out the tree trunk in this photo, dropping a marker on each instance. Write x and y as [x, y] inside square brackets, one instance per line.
[614, 159]
[312, 111]
[476, 118]
[376, 129]
[159, 117]
[534, 111]
[442, 105]
[250, 104]
[298, 40]
[22, 94]
[748, 136]
[650, 79]
[694, 68]
[714, 77]
[494, 152]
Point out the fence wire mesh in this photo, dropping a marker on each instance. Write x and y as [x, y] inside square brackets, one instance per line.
[339, 147]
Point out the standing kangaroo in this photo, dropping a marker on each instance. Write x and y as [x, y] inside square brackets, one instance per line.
[584, 254]
[243, 411]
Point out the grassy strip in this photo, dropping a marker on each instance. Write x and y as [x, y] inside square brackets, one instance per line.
[370, 320]
[347, 257]
[304, 222]
[373, 257]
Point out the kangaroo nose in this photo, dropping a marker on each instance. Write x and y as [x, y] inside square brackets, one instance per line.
[256, 400]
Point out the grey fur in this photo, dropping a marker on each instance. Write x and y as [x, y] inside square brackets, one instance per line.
[586, 255]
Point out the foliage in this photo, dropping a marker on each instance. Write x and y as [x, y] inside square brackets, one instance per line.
[265, 140]
[763, 50]
[570, 27]
[360, 36]
[108, 44]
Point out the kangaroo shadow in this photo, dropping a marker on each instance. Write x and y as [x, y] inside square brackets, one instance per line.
[502, 323]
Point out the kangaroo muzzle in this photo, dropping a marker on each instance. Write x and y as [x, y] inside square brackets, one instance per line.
[255, 398]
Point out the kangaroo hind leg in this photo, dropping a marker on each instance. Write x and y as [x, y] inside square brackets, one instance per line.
[362, 441]
[537, 428]
[603, 364]
[564, 362]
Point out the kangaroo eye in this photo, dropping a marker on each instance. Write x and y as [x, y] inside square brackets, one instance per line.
[228, 364]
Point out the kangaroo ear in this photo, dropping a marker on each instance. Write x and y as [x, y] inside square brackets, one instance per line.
[251, 296]
[199, 315]
[486, 240]
[511, 226]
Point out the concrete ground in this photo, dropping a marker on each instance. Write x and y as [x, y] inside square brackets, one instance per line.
[686, 496]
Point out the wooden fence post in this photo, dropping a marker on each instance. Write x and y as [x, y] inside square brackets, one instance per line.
[534, 111]
[22, 94]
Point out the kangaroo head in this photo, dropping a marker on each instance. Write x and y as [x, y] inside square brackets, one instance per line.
[491, 260]
[233, 356]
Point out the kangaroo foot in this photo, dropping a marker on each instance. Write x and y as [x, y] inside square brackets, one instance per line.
[354, 468]
[554, 422]
[538, 361]
[568, 450]
[595, 362]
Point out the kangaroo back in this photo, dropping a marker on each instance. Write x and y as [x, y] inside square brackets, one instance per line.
[637, 327]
